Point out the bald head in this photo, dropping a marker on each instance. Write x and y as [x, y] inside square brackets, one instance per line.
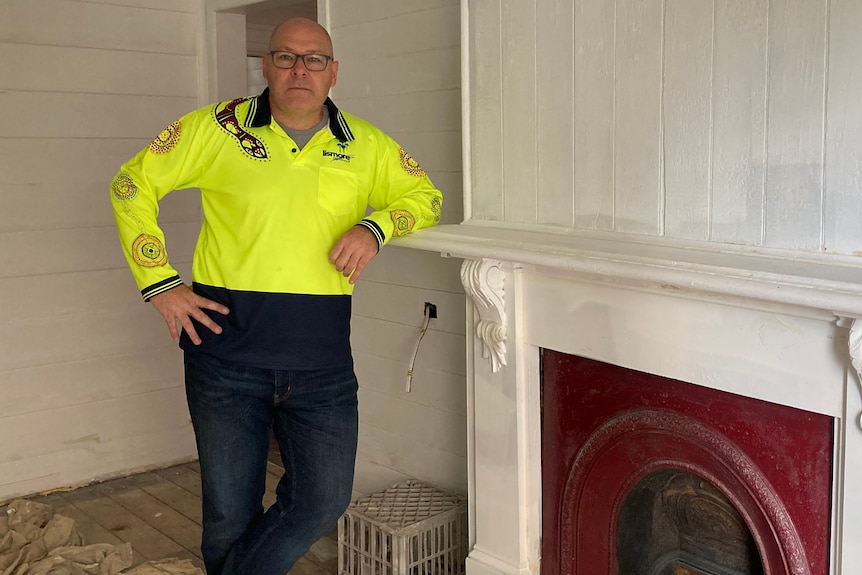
[304, 28]
[296, 92]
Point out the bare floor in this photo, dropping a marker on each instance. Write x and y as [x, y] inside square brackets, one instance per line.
[159, 513]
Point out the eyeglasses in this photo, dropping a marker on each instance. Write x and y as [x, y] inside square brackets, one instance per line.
[287, 60]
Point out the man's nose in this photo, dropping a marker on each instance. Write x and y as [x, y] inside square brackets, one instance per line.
[299, 68]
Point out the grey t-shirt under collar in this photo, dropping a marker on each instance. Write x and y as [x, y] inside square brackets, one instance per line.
[301, 137]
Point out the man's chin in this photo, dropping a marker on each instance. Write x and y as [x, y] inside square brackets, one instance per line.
[299, 97]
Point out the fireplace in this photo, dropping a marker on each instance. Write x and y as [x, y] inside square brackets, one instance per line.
[775, 330]
[645, 475]
[676, 523]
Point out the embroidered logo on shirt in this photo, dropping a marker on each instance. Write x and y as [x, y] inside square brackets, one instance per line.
[410, 165]
[436, 209]
[148, 251]
[404, 222]
[226, 118]
[337, 156]
[123, 187]
[167, 139]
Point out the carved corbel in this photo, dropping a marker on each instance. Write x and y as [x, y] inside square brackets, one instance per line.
[854, 343]
[484, 281]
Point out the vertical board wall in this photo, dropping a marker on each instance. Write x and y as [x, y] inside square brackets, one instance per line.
[725, 121]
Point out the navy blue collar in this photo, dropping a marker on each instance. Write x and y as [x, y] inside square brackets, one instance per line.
[262, 116]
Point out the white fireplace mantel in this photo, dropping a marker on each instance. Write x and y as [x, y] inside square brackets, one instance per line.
[774, 325]
[825, 283]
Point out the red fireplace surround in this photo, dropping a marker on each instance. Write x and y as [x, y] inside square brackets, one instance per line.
[605, 428]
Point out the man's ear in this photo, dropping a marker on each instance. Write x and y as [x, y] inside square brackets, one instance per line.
[334, 65]
[266, 60]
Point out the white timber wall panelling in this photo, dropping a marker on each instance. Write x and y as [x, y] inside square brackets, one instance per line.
[686, 129]
[593, 114]
[637, 116]
[738, 121]
[842, 208]
[400, 69]
[726, 121]
[519, 112]
[90, 382]
[554, 99]
[486, 110]
[796, 88]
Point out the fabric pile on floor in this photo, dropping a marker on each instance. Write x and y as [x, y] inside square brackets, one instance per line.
[36, 541]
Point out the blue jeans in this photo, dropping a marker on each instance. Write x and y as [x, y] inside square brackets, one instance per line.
[313, 415]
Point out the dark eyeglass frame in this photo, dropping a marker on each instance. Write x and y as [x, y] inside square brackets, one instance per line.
[297, 58]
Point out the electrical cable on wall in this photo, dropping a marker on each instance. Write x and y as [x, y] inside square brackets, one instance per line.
[430, 312]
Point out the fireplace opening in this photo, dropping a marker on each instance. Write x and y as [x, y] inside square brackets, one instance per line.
[673, 522]
[626, 452]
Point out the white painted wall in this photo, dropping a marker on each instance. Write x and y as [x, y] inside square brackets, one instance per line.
[400, 68]
[726, 121]
[90, 382]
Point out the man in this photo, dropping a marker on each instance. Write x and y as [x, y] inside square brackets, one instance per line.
[286, 180]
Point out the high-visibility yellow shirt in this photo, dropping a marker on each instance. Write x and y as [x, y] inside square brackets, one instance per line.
[271, 214]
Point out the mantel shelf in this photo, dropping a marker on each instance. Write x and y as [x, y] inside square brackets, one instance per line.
[818, 282]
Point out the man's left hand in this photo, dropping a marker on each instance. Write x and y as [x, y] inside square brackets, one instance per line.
[353, 251]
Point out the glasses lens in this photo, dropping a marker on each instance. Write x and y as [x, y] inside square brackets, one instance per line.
[315, 62]
[284, 59]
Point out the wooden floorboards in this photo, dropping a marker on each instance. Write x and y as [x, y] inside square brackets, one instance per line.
[159, 513]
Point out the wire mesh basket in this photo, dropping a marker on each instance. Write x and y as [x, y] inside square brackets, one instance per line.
[411, 528]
